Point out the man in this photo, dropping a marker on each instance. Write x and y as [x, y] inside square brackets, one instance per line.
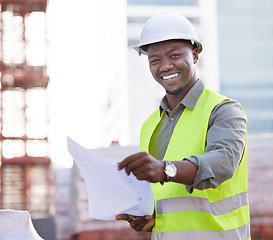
[193, 146]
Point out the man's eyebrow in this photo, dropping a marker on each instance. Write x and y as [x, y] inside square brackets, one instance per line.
[152, 56]
[173, 50]
[168, 52]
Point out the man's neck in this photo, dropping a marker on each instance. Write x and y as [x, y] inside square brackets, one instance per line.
[174, 100]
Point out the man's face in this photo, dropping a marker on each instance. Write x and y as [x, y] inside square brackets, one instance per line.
[172, 64]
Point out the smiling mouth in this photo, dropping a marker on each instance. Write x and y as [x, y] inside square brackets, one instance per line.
[170, 76]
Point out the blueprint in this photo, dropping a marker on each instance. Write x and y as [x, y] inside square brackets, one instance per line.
[110, 192]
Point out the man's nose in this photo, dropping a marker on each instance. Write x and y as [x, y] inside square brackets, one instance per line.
[166, 65]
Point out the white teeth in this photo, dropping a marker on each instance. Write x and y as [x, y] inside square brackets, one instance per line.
[170, 76]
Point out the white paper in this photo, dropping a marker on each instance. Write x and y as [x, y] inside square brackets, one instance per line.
[17, 225]
[110, 192]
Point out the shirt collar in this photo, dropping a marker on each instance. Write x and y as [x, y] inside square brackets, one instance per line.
[189, 100]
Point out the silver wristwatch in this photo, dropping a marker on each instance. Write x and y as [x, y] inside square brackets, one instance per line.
[170, 171]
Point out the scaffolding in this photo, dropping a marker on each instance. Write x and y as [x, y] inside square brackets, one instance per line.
[24, 150]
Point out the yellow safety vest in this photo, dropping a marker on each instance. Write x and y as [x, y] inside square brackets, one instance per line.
[220, 213]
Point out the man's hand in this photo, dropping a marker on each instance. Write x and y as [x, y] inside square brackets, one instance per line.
[138, 223]
[144, 166]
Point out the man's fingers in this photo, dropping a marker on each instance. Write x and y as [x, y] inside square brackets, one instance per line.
[149, 225]
[122, 217]
[128, 160]
[136, 167]
[126, 217]
[139, 223]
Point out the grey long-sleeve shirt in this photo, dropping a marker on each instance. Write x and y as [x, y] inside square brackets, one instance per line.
[225, 139]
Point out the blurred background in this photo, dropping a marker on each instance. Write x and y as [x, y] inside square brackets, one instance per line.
[68, 68]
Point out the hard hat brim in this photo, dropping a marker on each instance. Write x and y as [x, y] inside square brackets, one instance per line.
[140, 50]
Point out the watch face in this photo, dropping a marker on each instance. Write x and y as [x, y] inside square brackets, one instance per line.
[170, 171]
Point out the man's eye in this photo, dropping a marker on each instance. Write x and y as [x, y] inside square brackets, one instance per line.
[175, 55]
[155, 61]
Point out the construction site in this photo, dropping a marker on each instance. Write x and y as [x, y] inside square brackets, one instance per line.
[56, 197]
[25, 161]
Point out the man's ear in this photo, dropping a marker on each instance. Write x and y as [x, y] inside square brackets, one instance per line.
[195, 55]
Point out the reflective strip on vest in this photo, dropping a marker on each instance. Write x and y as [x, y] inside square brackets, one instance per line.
[181, 204]
[240, 233]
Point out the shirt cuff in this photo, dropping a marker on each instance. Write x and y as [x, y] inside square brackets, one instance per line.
[204, 172]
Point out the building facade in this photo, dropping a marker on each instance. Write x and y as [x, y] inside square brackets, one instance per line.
[246, 57]
[25, 172]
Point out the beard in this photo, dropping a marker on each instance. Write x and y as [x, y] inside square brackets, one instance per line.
[175, 92]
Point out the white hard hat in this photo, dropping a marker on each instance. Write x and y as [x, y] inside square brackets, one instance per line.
[167, 26]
